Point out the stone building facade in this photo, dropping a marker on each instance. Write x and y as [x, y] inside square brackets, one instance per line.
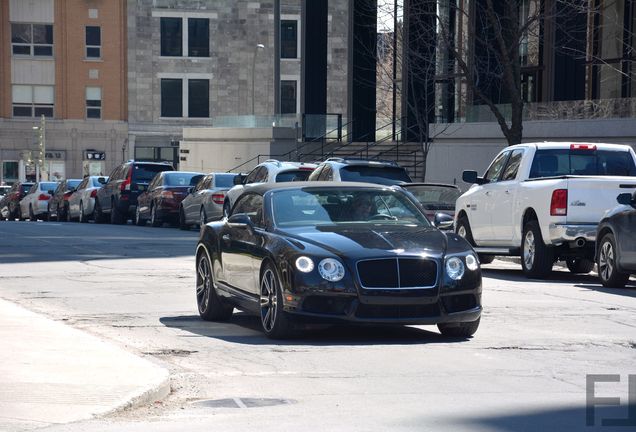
[64, 59]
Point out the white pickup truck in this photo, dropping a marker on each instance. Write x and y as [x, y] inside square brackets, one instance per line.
[543, 202]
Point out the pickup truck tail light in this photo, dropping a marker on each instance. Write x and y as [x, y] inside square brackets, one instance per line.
[559, 203]
[590, 147]
[218, 198]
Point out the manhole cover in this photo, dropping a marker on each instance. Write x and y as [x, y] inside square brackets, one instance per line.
[242, 402]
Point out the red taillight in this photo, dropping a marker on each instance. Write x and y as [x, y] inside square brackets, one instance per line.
[590, 147]
[125, 185]
[559, 203]
[218, 198]
[44, 197]
[93, 193]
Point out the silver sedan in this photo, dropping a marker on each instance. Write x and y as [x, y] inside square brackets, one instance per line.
[204, 203]
[81, 203]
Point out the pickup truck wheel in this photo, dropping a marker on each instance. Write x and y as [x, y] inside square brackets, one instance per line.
[607, 271]
[459, 330]
[463, 230]
[580, 265]
[536, 258]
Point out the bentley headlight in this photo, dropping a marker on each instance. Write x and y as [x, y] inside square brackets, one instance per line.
[304, 264]
[330, 269]
[471, 262]
[454, 268]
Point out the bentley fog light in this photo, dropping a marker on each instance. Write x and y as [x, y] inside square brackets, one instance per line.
[304, 264]
[471, 262]
[331, 270]
[455, 268]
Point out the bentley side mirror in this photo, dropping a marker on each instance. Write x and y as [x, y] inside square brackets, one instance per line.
[443, 221]
[240, 220]
[625, 199]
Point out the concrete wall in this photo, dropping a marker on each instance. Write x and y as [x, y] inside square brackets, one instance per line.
[463, 146]
[221, 149]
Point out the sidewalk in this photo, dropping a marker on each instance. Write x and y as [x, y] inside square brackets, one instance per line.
[51, 373]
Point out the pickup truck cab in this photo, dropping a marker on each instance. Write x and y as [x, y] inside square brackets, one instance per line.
[543, 202]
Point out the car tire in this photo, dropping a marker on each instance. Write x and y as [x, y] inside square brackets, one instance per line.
[116, 216]
[579, 265]
[203, 217]
[226, 209]
[463, 230]
[155, 220]
[182, 220]
[83, 217]
[274, 320]
[139, 221]
[100, 217]
[209, 304]
[459, 330]
[537, 258]
[610, 276]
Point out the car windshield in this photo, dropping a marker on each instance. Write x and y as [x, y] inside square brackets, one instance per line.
[435, 197]
[328, 206]
[383, 174]
[181, 178]
[224, 180]
[46, 186]
[144, 173]
[558, 162]
[291, 176]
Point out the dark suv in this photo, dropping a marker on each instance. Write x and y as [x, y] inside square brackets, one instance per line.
[118, 197]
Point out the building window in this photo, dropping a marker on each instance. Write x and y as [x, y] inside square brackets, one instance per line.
[288, 97]
[198, 98]
[33, 101]
[171, 37]
[93, 102]
[32, 39]
[198, 37]
[93, 42]
[171, 97]
[9, 172]
[289, 39]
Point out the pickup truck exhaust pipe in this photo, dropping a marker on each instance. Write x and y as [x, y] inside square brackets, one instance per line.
[579, 242]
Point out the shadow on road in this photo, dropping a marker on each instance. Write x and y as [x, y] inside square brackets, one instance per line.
[246, 329]
[558, 419]
[587, 281]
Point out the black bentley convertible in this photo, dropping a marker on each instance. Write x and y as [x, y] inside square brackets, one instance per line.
[317, 251]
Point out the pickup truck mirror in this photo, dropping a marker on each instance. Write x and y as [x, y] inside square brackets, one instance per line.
[471, 177]
[625, 199]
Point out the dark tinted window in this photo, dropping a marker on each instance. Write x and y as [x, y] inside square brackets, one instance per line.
[198, 98]
[171, 98]
[289, 39]
[171, 37]
[558, 162]
[296, 175]
[288, 97]
[435, 197]
[224, 180]
[374, 174]
[144, 173]
[510, 173]
[180, 179]
[251, 205]
[198, 37]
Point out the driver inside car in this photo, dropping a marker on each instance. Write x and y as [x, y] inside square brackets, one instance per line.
[363, 207]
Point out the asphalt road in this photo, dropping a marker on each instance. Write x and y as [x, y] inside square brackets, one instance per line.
[525, 369]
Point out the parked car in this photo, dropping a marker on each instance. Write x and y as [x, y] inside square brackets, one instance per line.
[81, 203]
[161, 202]
[335, 252]
[205, 201]
[10, 203]
[270, 171]
[117, 199]
[36, 201]
[4, 190]
[360, 170]
[616, 243]
[543, 202]
[58, 204]
[434, 197]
